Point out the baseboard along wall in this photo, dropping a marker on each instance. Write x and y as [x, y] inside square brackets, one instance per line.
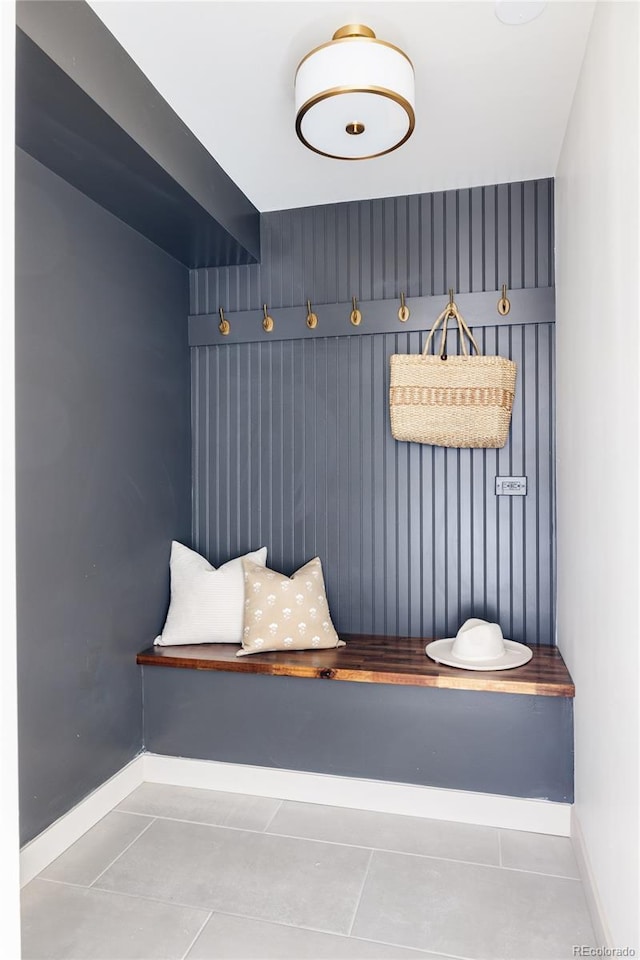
[43, 849]
[594, 903]
[536, 816]
[513, 813]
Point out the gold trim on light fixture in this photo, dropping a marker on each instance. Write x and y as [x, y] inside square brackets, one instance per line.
[354, 30]
[387, 74]
[374, 39]
[338, 91]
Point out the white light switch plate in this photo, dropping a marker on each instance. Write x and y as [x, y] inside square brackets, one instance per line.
[511, 486]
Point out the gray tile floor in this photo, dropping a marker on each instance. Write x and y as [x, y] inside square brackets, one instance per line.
[178, 873]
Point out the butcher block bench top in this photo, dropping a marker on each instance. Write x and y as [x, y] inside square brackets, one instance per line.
[373, 659]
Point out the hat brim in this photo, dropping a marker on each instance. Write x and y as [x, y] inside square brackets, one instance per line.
[515, 655]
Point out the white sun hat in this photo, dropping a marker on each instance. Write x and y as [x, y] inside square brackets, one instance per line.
[479, 645]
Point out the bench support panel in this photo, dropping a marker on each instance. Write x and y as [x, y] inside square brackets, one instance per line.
[496, 743]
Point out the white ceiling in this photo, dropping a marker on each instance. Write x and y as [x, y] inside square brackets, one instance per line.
[492, 100]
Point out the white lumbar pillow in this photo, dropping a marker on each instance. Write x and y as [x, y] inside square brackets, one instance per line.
[207, 605]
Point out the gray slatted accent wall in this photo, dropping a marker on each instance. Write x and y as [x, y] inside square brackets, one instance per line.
[291, 439]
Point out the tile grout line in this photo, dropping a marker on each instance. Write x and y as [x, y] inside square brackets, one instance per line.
[358, 901]
[217, 823]
[193, 942]
[214, 910]
[65, 883]
[271, 819]
[361, 846]
[139, 896]
[242, 916]
[419, 951]
[333, 843]
[129, 813]
[407, 853]
[135, 839]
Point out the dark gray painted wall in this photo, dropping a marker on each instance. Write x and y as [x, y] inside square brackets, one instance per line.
[292, 445]
[103, 480]
[494, 743]
[87, 111]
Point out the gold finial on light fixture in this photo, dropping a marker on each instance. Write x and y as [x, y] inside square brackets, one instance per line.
[367, 115]
[354, 30]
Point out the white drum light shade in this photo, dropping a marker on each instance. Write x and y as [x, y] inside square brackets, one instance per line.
[355, 96]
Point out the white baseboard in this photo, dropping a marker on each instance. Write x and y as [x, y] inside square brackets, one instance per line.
[594, 903]
[534, 816]
[43, 849]
[513, 813]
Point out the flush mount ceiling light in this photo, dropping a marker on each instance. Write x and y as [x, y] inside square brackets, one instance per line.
[355, 96]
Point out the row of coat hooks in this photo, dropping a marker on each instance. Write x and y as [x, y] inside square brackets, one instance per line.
[268, 323]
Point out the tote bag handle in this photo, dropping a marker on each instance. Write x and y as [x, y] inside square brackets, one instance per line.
[463, 330]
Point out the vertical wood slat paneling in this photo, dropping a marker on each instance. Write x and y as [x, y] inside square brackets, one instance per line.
[412, 538]
[471, 240]
[291, 440]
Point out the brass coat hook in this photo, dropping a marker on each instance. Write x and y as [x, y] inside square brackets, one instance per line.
[452, 303]
[267, 323]
[356, 316]
[403, 313]
[312, 318]
[224, 326]
[504, 304]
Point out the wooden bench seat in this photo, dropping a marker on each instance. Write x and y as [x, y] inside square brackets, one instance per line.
[374, 659]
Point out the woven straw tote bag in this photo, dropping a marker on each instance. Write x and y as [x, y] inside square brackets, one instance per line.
[451, 401]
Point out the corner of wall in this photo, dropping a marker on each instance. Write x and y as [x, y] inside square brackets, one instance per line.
[594, 903]
[597, 230]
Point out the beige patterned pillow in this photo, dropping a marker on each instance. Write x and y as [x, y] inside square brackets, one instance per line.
[286, 613]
